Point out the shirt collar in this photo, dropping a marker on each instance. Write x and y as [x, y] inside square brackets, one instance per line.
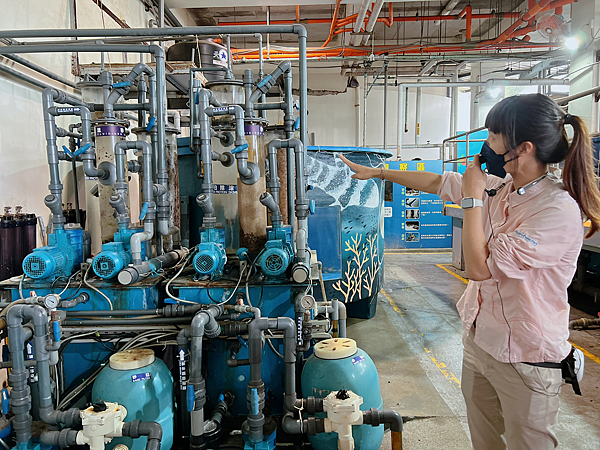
[516, 199]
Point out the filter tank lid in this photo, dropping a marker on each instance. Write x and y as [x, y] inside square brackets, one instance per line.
[336, 348]
[132, 359]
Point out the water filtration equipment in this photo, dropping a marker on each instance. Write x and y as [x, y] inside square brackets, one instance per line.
[7, 244]
[143, 384]
[339, 364]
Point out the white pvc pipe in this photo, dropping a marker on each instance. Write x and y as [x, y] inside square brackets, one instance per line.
[372, 20]
[360, 18]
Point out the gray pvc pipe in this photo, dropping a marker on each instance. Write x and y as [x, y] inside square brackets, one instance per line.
[115, 94]
[288, 118]
[133, 273]
[206, 98]
[285, 66]
[203, 323]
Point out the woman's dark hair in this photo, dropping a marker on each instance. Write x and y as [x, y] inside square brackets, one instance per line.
[536, 118]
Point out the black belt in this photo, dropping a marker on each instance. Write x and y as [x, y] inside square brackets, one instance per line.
[547, 365]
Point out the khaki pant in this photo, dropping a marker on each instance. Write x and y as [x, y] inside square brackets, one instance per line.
[509, 405]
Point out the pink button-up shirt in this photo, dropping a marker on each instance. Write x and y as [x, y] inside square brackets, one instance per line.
[534, 243]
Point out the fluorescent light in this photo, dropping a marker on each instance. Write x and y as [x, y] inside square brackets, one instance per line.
[571, 43]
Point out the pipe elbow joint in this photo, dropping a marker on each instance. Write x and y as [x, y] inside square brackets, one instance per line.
[299, 30]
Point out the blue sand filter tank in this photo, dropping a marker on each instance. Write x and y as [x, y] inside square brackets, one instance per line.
[144, 386]
[339, 364]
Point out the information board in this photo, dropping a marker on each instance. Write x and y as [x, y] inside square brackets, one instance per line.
[412, 218]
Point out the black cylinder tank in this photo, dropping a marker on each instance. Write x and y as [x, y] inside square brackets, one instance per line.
[30, 241]
[212, 55]
[19, 234]
[7, 247]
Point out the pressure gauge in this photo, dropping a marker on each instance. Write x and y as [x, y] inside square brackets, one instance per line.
[51, 301]
[307, 302]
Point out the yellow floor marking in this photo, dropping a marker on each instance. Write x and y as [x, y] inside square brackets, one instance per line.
[443, 368]
[389, 299]
[585, 352]
[441, 266]
[440, 365]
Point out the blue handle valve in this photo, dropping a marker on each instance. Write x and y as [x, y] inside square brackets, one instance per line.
[191, 397]
[197, 97]
[240, 148]
[151, 123]
[5, 401]
[56, 330]
[81, 150]
[144, 211]
[297, 123]
[122, 84]
[311, 206]
[67, 151]
[264, 81]
[254, 401]
[221, 398]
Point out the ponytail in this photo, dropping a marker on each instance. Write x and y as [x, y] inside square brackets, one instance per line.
[578, 173]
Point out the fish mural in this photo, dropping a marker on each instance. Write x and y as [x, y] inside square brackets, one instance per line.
[361, 210]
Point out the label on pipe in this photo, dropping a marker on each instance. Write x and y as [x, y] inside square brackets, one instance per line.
[254, 130]
[110, 130]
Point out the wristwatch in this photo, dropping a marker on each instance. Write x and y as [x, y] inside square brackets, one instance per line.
[469, 202]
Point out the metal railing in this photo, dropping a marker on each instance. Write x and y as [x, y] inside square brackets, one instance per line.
[452, 149]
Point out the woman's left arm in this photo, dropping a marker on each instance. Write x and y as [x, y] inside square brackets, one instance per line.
[475, 247]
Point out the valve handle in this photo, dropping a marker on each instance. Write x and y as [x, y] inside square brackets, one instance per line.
[81, 150]
[122, 84]
[144, 211]
[56, 330]
[5, 401]
[297, 123]
[191, 397]
[151, 123]
[67, 151]
[264, 81]
[311, 206]
[240, 148]
[197, 97]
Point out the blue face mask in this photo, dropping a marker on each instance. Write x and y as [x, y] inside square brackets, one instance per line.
[494, 162]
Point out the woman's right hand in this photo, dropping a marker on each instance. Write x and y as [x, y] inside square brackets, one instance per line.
[360, 172]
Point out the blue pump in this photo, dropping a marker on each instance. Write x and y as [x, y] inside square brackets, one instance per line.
[60, 258]
[278, 252]
[115, 256]
[210, 258]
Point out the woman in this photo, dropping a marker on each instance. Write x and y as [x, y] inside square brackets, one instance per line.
[522, 234]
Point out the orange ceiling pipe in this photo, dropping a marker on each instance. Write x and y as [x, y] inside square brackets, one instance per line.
[320, 53]
[553, 5]
[297, 13]
[468, 12]
[522, 21]
[333, 22]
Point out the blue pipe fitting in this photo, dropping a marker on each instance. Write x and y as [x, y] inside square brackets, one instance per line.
[151, 123]
[122, 84]
[254, 401]
[56, 330]
[67, 151]
[5, 401]
[242, 254]
[191, 397]
[264, 81]
[240, 148]
[144, 210]
[81, 150]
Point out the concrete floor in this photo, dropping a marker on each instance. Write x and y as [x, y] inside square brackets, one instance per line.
[415, 340]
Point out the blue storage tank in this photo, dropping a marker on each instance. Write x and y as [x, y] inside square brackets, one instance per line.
[143, 385]
[360, 206]
[339, 364]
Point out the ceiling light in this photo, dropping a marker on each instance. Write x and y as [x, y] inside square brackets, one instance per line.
[571, 43]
